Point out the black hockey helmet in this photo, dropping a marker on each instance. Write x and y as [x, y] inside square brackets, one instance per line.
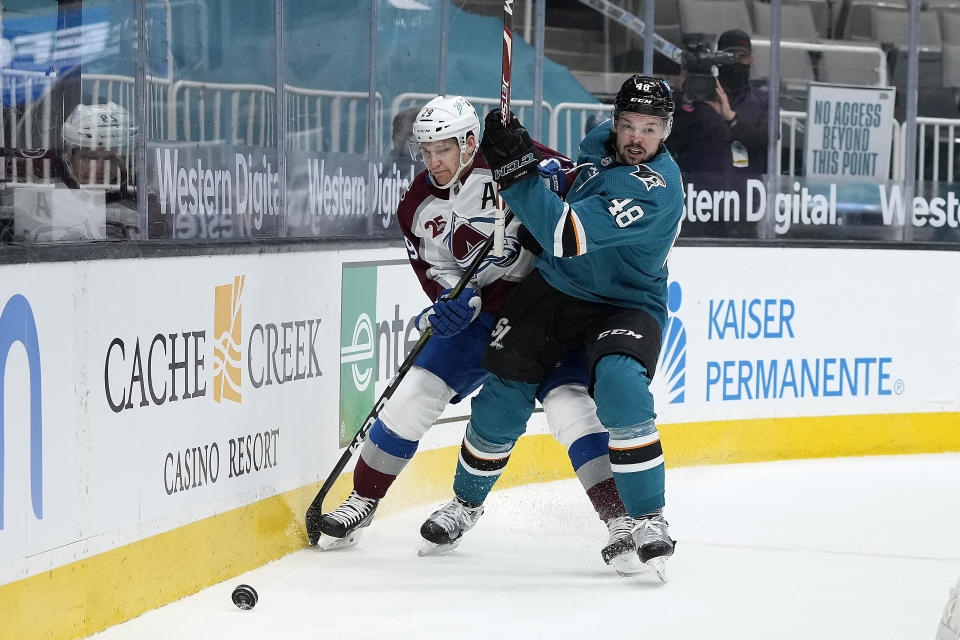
[644, 94]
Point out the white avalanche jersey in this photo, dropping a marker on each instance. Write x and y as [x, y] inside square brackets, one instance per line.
[444, 229]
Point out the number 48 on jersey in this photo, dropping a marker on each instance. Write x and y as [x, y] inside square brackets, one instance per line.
[624, 216]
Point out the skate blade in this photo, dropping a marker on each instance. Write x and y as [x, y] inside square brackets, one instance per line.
[329, 543]
[628, 564]
[428, 548]
[660, 566]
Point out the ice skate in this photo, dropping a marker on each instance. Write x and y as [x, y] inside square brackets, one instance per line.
[949, 628]
[654, 544]
[620, 551]
[342, 527]
[445, 527]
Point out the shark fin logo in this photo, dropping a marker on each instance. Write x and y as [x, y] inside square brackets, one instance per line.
[227, 328]
[648, 177]
[17, 324]
[672, 367]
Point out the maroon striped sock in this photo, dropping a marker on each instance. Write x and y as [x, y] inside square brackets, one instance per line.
[606, 500]
[370, 483]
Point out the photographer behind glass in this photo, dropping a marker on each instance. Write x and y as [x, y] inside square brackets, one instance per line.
[720, 126]
[743, 105]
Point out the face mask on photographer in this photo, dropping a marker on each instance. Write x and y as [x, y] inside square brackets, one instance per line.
[734, 77]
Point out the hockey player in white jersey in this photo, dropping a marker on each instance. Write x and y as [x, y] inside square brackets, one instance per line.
[445, 216]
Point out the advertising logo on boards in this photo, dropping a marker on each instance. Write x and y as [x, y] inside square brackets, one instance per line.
[371, 348]
[18, 325]
[671, 378]
[172, 366]
[786, 370]
[146, 372]
[227, 329]
[358, 350]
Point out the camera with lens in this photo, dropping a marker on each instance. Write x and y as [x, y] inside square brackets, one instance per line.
[700, 63]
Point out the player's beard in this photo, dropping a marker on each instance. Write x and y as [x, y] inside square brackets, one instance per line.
[643, 153]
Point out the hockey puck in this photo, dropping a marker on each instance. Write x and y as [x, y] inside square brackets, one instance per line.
[245, 597]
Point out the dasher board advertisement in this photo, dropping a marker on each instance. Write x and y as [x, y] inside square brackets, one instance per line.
[768, 333]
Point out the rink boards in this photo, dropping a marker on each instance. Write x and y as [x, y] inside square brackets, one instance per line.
[166, 421]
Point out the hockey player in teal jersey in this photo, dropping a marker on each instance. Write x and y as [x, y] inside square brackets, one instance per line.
[601, 283]
[445, 216]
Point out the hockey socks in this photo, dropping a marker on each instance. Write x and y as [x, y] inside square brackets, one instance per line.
[636, 459]
[625, 407]
[500, 413]
[383, 456]
[479, 467]
[589, 457]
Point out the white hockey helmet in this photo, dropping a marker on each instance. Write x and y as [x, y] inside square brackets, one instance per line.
[447, 117]
[107, 128]
[100, 126]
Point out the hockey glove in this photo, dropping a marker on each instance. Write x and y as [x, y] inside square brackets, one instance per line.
[527, 241]
[508, 150]
[554, 175]
[450, 317]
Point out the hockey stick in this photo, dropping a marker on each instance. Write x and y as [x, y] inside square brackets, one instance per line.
[506, 74]
[315, 510]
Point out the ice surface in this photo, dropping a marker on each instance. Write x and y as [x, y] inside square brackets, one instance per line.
[844, 548]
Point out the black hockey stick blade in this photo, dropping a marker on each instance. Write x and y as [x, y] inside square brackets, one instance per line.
[315, 510]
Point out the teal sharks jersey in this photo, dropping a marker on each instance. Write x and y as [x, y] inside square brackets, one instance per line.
[610, 240]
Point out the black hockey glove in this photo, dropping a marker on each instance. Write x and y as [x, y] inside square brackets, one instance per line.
[527, 241]
[509, 151]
